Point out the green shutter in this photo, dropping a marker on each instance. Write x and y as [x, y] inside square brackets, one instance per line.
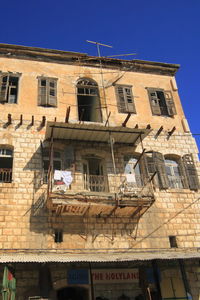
[125, 99]
[52, 99]
[191, 172]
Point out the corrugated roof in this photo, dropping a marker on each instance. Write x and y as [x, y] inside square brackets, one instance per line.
[98, 257]
[95, 133]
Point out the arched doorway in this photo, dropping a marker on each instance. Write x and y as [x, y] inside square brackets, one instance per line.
[73, 293]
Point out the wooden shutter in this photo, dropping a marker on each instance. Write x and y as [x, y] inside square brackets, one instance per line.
[191, 172]
[125, 99]
[144, 169]
[161, 170]
[129, 101]
[4, 85]
[154, 102]
[170, 103]
[52, 101]
[42, 92]
[183, 174]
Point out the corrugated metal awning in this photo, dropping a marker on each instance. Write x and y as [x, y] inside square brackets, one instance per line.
[95, 132]
[98, 257]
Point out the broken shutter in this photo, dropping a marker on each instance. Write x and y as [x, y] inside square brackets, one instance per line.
[161, 170]
[125, 99]
[52, 92]
[183, 174]
[154, 102]
[191, 172]
[170, 103]
[4, 85]
[42, 92]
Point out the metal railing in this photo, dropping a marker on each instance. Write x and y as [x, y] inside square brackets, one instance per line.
[95, 183]
[5, 175]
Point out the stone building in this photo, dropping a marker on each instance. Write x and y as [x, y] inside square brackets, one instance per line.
[98, 178]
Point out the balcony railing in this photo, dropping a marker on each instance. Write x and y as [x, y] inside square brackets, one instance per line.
[95, 183]
[5, 175]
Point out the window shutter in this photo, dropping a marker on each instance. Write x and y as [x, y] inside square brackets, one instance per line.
[42, 92]
[52, 93]
[4, 84]
[160, 169]
[121, 99]
[170, 103]
[183, 174]
[125, 99]
[191, 172]
[154, 102]
[144, 168]
[129, 100]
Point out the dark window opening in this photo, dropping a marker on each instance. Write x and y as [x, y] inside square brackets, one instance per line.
[47, 92]
[6, 165]
[125, 99]
[162, 103]
[172, 241]
[8, 88]
[58, 236]
[89, 108]
[73, 293]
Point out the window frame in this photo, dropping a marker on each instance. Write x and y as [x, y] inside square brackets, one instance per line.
[6, 174]
[45, 99]
[125, 102]
[168, 109]
[7, 87]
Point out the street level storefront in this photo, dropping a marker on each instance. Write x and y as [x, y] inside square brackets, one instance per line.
[125, 280]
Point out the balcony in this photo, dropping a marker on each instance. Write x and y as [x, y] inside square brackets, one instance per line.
[5, 175]
[100, 195]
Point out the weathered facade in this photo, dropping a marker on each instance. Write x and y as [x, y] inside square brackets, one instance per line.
[99, 189]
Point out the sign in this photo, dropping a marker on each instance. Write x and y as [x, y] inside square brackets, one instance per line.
[107, 276]
[78, 276]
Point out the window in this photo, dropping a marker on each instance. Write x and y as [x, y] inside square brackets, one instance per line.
[89, 108]
[132, 172]
[8, 88]
[179, 172]
[125, 99]
[6, 164]
[161, 102]
[47, 92]
[173, 174]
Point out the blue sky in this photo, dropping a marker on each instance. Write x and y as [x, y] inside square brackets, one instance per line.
[157, 30]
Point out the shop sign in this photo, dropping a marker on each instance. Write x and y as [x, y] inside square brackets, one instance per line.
[107, 276]
[78, 276]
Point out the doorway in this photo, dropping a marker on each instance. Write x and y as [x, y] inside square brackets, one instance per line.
[73, 293]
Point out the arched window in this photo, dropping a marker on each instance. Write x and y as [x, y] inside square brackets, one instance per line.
[173, 173]
[6, 164]
[88, 101]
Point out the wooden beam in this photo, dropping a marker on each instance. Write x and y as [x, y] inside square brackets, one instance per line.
[136, 211]
[67, 115]
[126, 120]
[136, 126]
[159, 131]
[171, 131]
[21, 120]
[43, 121]
[32, 121]
[9, 119]
[148, 126]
